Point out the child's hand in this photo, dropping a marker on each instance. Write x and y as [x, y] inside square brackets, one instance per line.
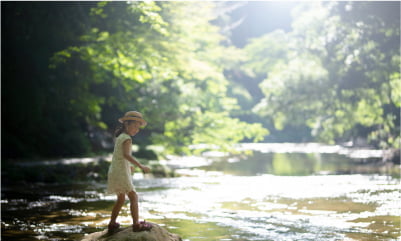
[132, 169]
[145, 169]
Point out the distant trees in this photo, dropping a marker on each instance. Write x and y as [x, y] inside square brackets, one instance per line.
[337, 72]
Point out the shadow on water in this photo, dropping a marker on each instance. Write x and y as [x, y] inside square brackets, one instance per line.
[262, 196]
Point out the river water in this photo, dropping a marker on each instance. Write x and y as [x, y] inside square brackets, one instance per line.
[295, 193]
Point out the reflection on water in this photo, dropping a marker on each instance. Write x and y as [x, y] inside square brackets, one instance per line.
[265, 196]
[296, 164]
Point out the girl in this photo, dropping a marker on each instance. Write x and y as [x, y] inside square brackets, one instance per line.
[119, 175]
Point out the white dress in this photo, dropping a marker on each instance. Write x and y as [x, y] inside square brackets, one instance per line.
[119, 179]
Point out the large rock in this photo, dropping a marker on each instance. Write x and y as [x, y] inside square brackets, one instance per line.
[157, 233]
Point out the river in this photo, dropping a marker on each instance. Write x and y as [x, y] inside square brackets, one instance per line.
[284, 192]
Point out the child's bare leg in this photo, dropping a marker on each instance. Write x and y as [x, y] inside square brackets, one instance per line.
[133, 197]
[117, 207]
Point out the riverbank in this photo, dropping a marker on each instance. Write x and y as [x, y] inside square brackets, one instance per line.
[67, 170]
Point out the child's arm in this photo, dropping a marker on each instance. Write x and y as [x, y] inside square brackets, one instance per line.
[127, 155]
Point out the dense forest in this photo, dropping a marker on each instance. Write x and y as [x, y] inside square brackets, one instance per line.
[198, 74]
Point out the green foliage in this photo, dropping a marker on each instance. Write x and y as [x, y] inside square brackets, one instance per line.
[336, 71]
[216, 129]
[41, 106]
[71, 71]
[147, 56]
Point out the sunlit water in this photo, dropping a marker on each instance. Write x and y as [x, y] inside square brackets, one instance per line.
[265, 196]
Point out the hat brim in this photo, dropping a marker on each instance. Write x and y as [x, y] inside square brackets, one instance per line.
[125, 118]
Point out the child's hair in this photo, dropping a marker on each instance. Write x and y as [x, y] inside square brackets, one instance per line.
[121, 127]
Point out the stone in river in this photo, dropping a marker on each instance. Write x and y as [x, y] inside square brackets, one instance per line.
[157, 233]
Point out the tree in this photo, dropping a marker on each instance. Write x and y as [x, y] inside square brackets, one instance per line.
[69, 70]
[337, 72]
[147, 56]
[38, 118]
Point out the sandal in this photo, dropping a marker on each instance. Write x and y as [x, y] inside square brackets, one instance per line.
[113, 227]
[142, 226]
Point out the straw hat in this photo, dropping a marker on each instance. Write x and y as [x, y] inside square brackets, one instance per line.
[133, 115]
